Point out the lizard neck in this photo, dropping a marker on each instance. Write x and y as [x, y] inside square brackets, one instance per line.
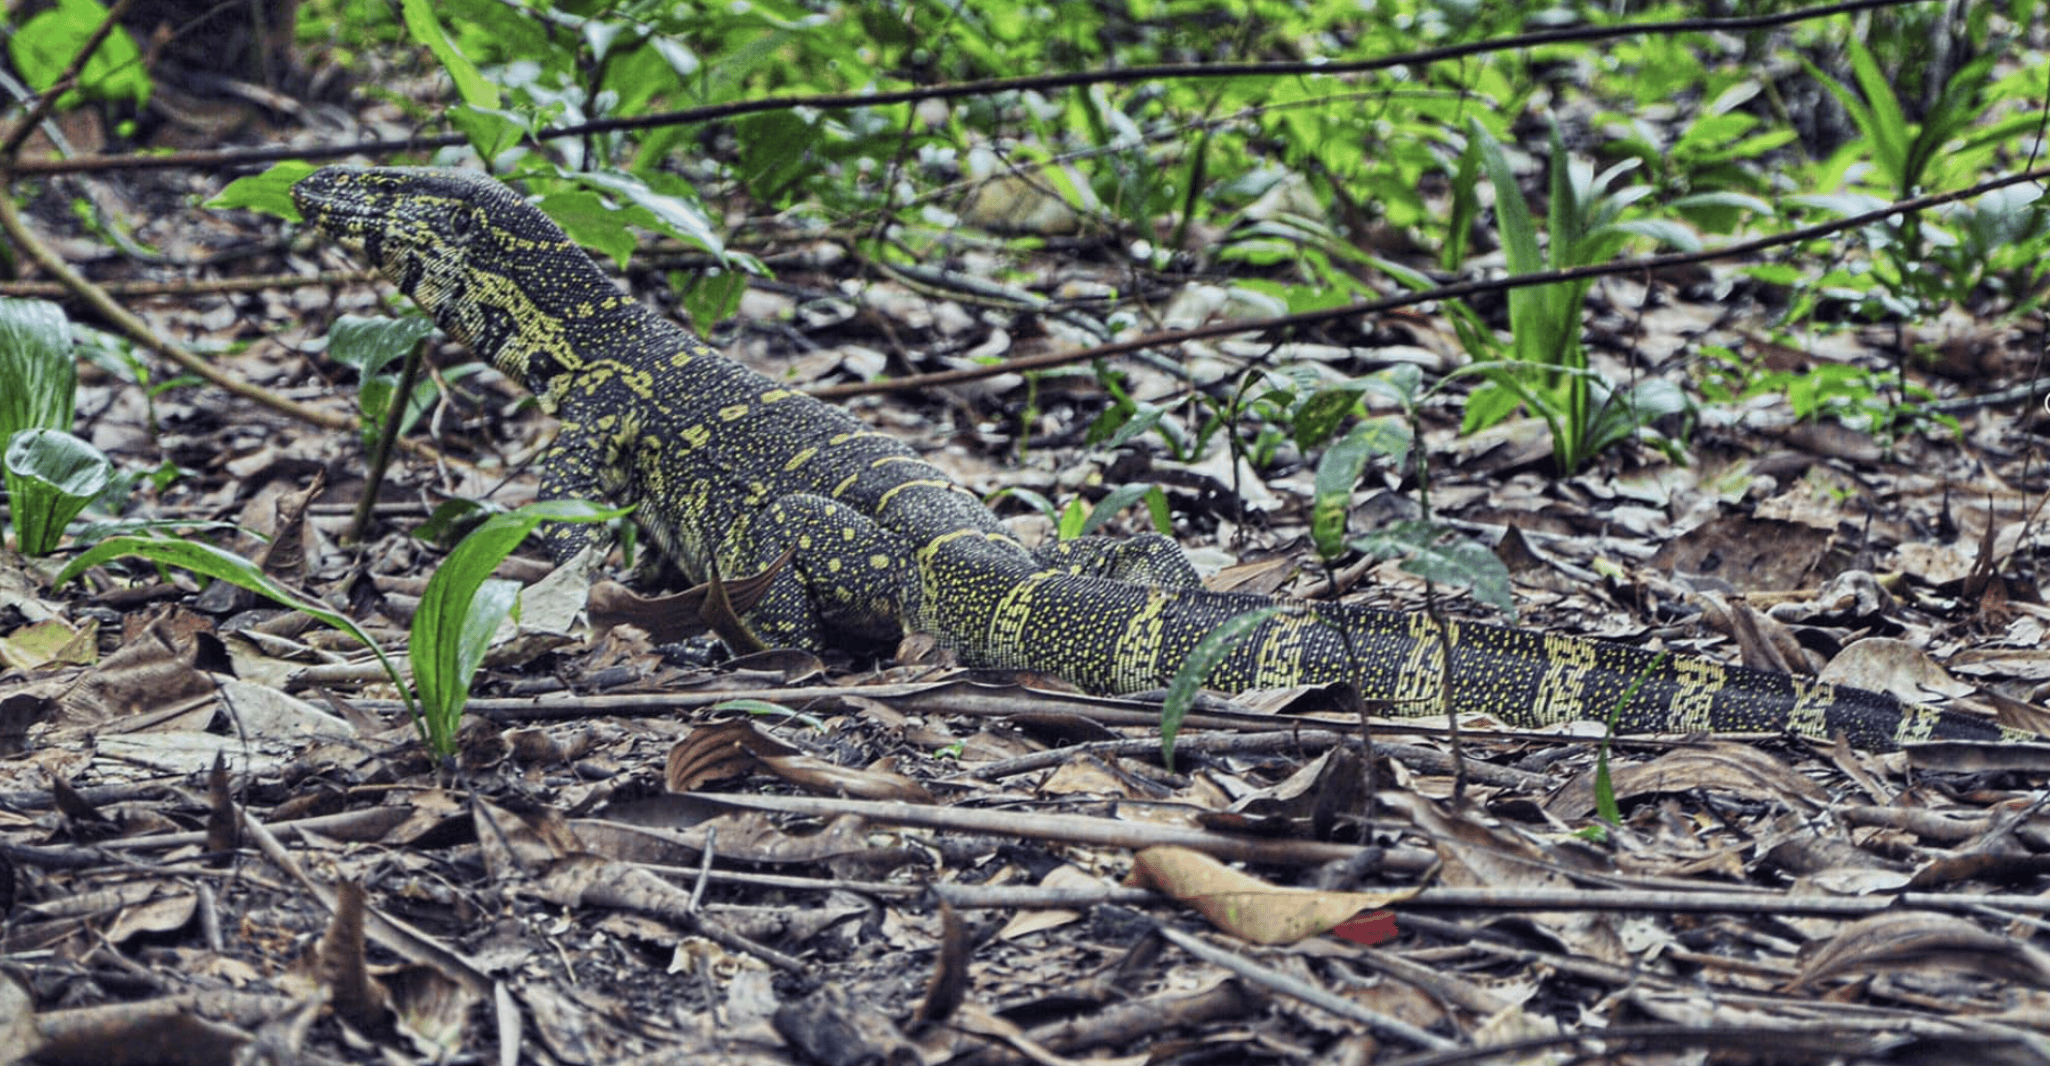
[541, 334]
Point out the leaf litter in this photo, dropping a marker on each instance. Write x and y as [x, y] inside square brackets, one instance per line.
[220, 839]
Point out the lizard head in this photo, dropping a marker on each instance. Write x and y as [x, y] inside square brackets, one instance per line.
[489, 267]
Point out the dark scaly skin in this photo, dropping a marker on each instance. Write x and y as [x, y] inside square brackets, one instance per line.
[729, 468]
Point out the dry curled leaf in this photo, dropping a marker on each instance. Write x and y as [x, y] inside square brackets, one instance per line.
[1919, 942]
[734, 749]
[1245, 906]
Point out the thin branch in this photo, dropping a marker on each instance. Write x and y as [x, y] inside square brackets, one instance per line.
[1462, 289]
[51, 290]
[1066, 79]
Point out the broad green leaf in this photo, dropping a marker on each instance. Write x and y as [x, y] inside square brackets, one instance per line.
[1320, 415]
[1072, 517]
[451, 518]
[1441, 554]
[1464, 564]
[1030, 497]
[368, 345]
[1400, 383]
[670, 214]
[1742, 201]
[460, 609]
[38, 387]
[1203, 658]
[589, 222]
[1773, 273]
[1338, 471]
[1662, 230]
[38, 377]
[713, 294]
[51, 476]
[45, 46]
[492, 131]
[269, 192]
[470, 84]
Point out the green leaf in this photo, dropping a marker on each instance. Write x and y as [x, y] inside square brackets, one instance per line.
[51, 476]
[591, 223]
[1888, 125]
[461, 608]
[1203, 658]
[1604, 787]
[1113, 501]
[269, 192]
[1400, 383]
[1464, 564]
[492, 131]
[1157, 509]
[452, 516]
[1619, 415]
[221, 565]
[670, 214]
[38, 378]
[1319, 416]
[48, 42]
[1337, 472]
[368, 345]
[1662, 230]
[1030, 497]
[38, 388]
[1072, 517]
[714, 294]
[776, 152]
[1440, 554]
[1738, 200]
[426, 29]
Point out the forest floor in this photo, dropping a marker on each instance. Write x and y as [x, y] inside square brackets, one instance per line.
[221, 836]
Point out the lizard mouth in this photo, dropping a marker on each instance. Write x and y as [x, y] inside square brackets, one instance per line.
[326, 202]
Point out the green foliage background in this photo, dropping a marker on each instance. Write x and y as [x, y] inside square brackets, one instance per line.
[1272, 179]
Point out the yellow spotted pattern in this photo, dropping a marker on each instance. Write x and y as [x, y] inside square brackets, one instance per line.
[727, 470]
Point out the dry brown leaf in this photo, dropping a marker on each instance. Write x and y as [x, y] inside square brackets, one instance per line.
[161, 915]
[341, 967]
[21, 709]
[152, 1033]
[947, 988]
[1747, 553]
[677, 616]
[830, 1025]
[514, 844]
[18, 1036]
[154, 670]
[223, 818]
[52, 642]
[431, 1007]
[1738, 768]
[736, 748]
[1244, 905]
[1037, 919]
[1884, 664]
[1920, 941]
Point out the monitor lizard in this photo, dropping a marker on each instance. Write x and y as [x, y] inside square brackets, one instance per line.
[730, 471]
